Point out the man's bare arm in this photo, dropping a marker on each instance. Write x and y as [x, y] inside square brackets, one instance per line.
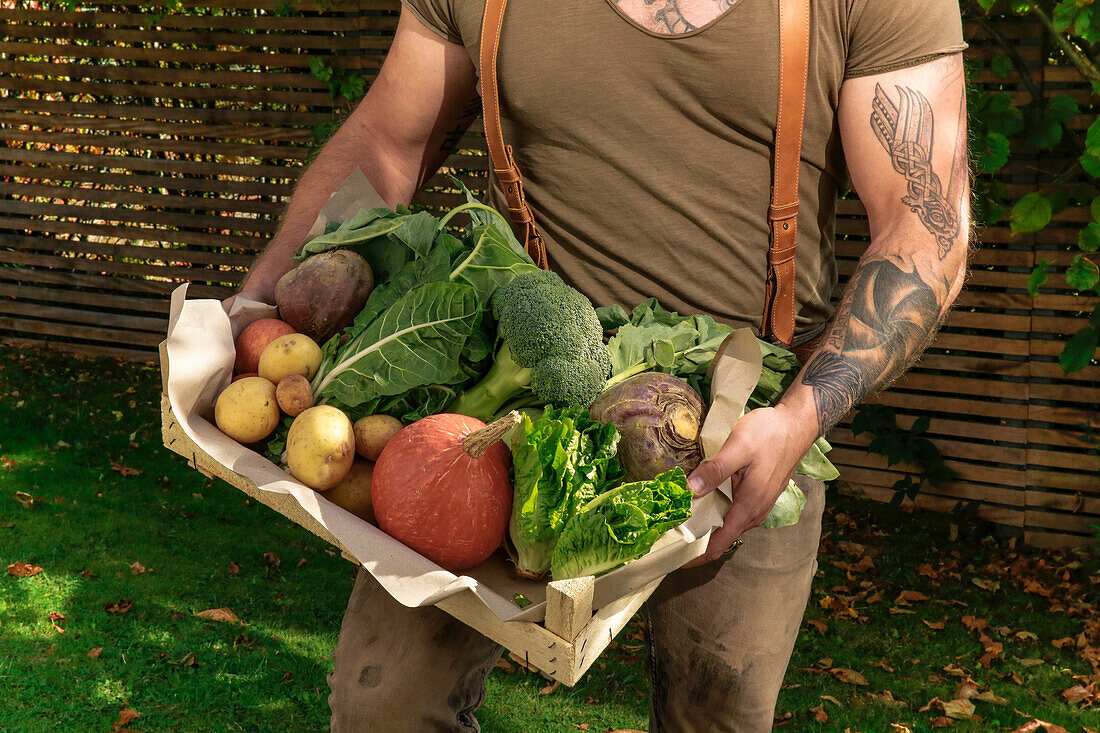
[904, 136]
[423, 100]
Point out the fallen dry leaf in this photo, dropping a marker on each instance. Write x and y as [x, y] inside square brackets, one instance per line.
[1058, 643]
[137, 568]
[23, 570]
[955, 670]
[990, 698]
[850, 676]
[272, 559]
[990, 585]
[1031, 662]
[124, 716]
[967, 689]
[219, 614]
[909, 596]
[234, 568]
[781, 720]
[551, 688]
[936, 625]
[504, 665]
[833, 700]
[8, 463]
[899, 728]
[1025, 636]
[26, 500]
[958, 709]
[973, 623]
[125, 470]
[120, 606]
[1040, 726]
[94, 652]
[941, 722]
[1079, 693]
[819, 713]
[820, 626]
[583, 726]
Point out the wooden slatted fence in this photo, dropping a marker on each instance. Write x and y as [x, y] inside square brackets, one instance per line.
[143, 151]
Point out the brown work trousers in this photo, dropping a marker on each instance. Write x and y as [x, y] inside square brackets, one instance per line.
[720, 637]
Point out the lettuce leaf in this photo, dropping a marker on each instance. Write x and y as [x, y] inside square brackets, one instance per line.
[621, 525]
[560, 461]
[788, 508]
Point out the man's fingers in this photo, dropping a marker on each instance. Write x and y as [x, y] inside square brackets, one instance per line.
[722, 538]
[709, 475]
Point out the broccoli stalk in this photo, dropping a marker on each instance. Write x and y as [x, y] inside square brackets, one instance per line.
[506, 381]
[552, 348]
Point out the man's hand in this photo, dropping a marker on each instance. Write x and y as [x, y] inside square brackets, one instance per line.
[760, 457]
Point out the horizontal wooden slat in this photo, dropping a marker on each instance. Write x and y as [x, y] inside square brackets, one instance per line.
[223, 206]
[71, 330]
[144, 355]
[242, 173]
[173, 274]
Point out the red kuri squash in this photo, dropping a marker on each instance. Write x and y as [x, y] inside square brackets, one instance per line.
[441, 487]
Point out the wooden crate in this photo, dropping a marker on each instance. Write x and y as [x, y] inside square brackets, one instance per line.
[563, 647]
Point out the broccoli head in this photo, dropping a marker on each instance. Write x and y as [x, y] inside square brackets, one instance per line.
[552, 348]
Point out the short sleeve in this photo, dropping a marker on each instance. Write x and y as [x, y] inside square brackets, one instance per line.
[886, 35]
[437, 16]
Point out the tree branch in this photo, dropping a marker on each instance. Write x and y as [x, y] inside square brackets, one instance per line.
[1083, 63]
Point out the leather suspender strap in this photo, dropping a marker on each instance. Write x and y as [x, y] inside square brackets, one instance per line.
[500, 155]
[794, 63]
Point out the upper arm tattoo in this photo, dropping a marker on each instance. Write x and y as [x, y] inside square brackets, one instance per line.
[892, 305]
[905, 129]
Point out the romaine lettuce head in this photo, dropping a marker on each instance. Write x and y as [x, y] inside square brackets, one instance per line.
[621, 525]
[560, 461]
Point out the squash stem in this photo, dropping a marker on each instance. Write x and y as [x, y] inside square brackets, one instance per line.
[475, 444]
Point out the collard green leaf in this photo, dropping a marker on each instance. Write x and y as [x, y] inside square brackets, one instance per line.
[660, 340]
[416, 342]
[621, 525]
[815, 465]
[491, 260]
[612, 316]
[787, 509]
[435, 267]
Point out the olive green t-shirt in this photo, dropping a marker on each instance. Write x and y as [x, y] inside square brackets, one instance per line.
[647, 159]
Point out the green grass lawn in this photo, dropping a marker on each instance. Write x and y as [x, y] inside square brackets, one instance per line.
[116, 519]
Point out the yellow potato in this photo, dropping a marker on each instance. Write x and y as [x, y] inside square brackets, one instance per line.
[294, 394]
[320, 447]
[373, 432]
[294, 353]
[353, 493]
[247, 410]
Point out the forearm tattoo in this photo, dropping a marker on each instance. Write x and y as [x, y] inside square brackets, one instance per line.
[905, 130]
[891, 308]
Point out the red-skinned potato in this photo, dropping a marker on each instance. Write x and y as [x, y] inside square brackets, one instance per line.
[244, 376]
[254, 339]
[294, 395]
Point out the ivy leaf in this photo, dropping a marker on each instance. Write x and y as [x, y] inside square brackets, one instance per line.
[1083, 274]
[1001, 65]
[1096, 209]
[995, 155]
[1088, 238]
[320, 70]
[1031, 213]
[1079, 350]
[1092, 137]
[353, 88]
[1062, 108]
[1038, 278]
[1090, 161]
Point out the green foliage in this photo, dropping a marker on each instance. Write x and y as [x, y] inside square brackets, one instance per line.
[1001, 127]
[903, 447]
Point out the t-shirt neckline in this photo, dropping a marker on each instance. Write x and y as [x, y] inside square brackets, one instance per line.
[676, 36]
